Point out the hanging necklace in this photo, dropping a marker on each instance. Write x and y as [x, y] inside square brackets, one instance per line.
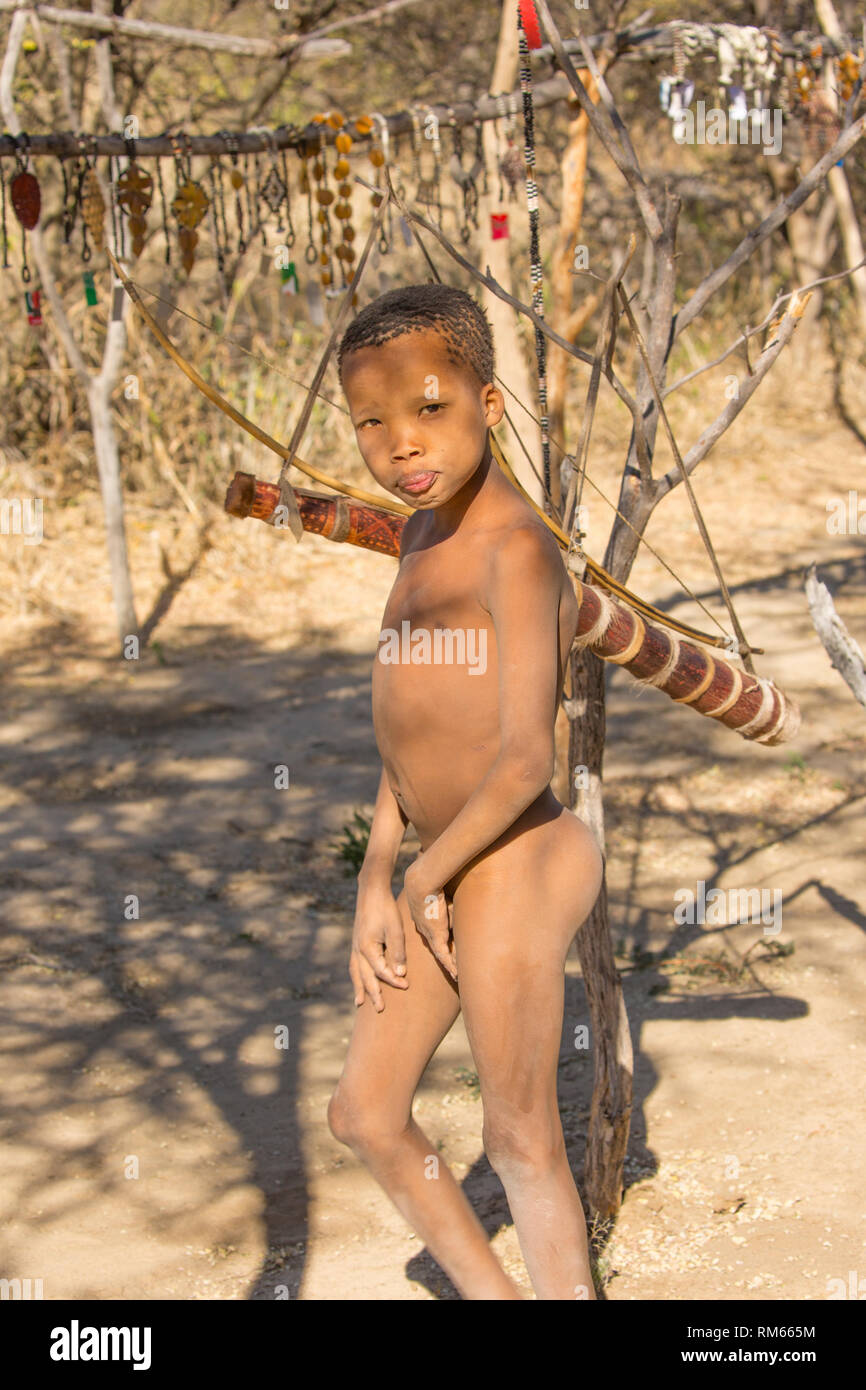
[218, 209]
[427, 192]
[345, 252]
[134, 193]
[236, 180]
[92, 201]
[166, 236]
[380, 148]
[189, 205]
[324, 198]
[26, 201]
[465, 178]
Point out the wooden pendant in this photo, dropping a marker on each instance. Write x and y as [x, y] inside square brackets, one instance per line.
[188, 242]
[93, 207]
[134, 192]
[190, 204]
[26, 199]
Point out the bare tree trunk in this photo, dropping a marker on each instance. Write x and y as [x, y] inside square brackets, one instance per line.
[838, 183]
[568, 322]
[98, 388]
[511, 362]
[613, 1060]
[108, 464]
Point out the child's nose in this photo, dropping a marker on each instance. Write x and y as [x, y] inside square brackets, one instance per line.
[404, 446]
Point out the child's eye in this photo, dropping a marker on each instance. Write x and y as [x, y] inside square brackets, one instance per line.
[434, 405]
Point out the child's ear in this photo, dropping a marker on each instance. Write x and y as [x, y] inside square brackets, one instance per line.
[494, 405]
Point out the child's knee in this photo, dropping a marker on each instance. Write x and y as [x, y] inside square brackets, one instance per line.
[521, 1145]
[360, 1124]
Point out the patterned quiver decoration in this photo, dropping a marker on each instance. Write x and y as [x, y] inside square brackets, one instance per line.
[338, 518]
[750, 705]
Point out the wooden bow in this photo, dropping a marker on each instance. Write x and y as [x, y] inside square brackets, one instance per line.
[598, 573]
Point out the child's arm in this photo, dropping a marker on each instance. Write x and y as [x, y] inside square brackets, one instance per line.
[386, 836]
[378, 926]
[523, 600]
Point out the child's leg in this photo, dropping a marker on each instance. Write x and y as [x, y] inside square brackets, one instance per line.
[515, 915]
[371, 1111]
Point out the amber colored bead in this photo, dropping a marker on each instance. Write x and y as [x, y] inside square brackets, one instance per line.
[320, 119]
[348, 233]
[341, 168]
[318, 169]
[343, 212]
[237, 179]
[349, 253]
[326, 277]
[377, 157]
[363, 125]
[376, 198]
[324, 196]
[335, 120]
[345, 189]
[343, 142]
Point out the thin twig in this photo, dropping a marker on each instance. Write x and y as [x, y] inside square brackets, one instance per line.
[744, 649]
[603, 355]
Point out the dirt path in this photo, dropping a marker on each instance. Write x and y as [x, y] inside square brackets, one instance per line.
[157, 1144]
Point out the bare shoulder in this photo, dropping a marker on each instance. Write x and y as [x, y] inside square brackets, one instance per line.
[525, 553]
[411, 532]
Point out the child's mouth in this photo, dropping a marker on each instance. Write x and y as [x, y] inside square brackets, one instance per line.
[417, 482]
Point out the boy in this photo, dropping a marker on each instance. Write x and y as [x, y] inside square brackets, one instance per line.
[507, 874]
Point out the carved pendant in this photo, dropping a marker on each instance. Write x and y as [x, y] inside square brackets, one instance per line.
[190, 204]
[274, 191]
[134, 192]
[93, 207]
[513, 167]
[26, 199]
[188, 242]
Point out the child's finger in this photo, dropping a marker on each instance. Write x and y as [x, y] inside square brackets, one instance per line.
[395, 945]
[384, 971]
[371, 984]
[357, 982]
[443, 955]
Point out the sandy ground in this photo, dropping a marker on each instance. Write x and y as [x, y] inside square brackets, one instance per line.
[158, 1144]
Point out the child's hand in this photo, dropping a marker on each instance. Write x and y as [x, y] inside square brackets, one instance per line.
[431, 912]
[378, 928]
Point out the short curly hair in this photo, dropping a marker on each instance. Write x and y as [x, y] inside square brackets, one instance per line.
[453, 313]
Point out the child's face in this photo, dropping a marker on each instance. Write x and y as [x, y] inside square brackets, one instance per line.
[420, 420]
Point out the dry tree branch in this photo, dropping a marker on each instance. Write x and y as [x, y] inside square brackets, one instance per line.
[623, 157]
[844, 653]
[781, 212]
[785, 330]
